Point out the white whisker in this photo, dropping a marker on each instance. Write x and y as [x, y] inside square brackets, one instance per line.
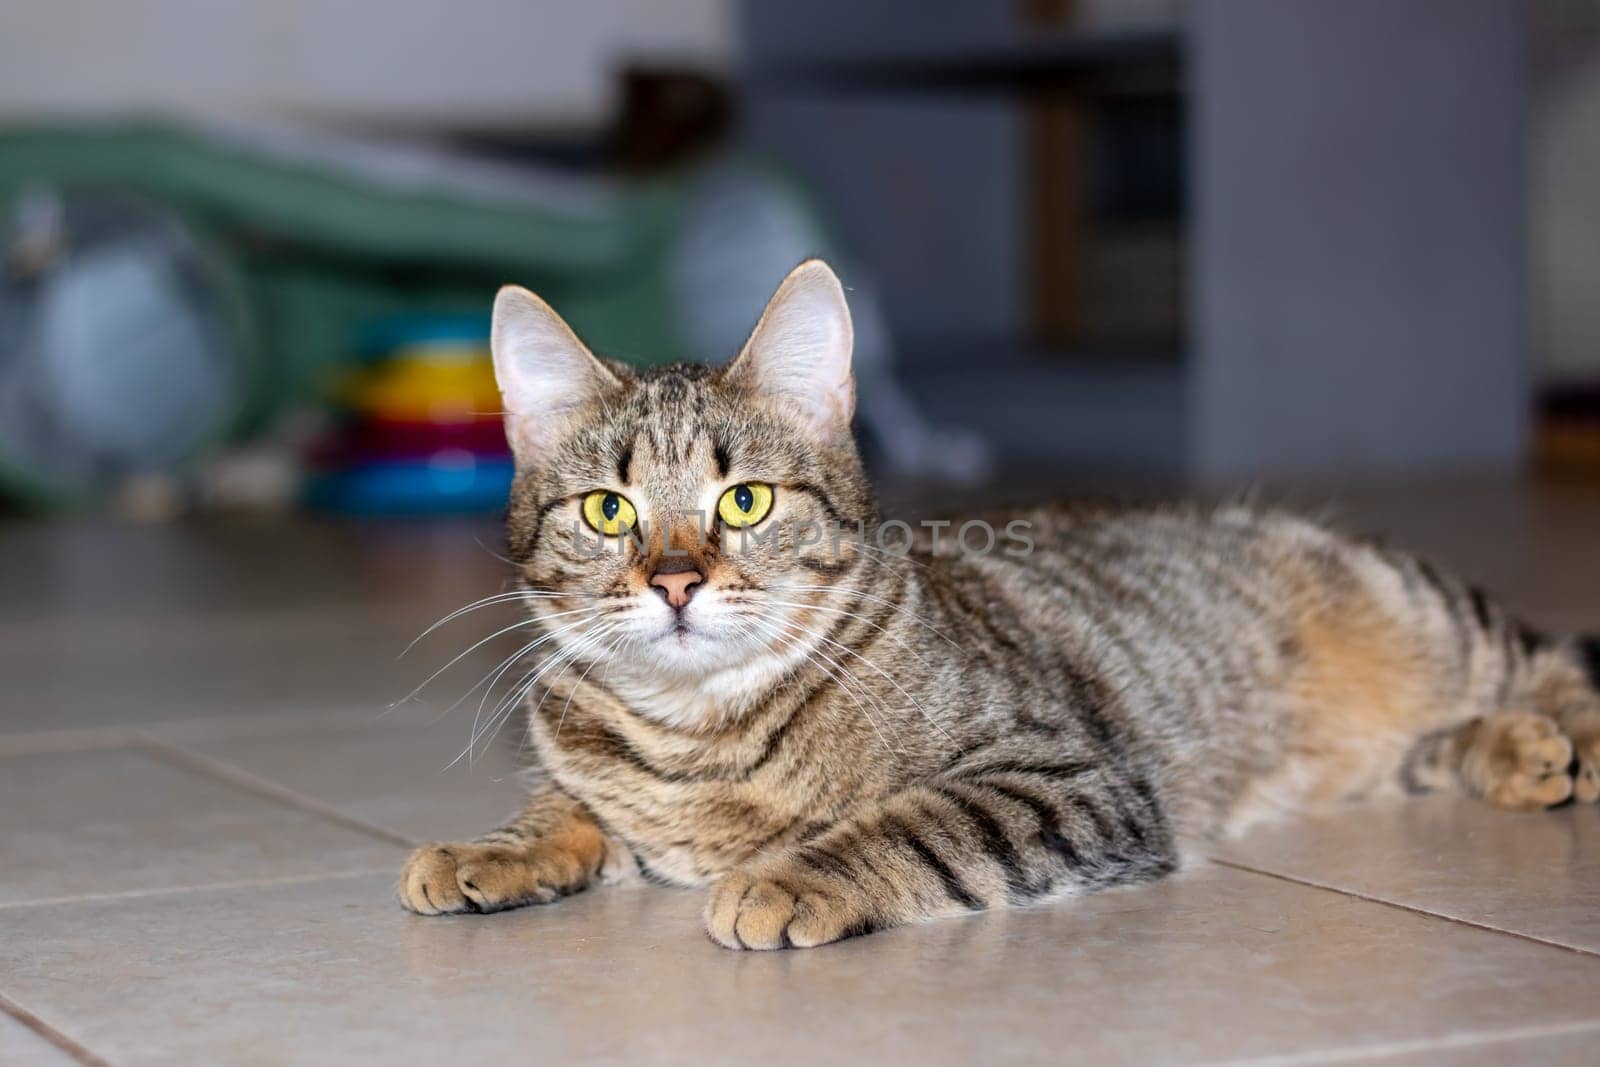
[578, 684]
[496, 598]
[530, 621]
[911, 649]
[886, 676]
[509, 703]
[891, 605]
[812, 657]
[506, 663]
[890, 557]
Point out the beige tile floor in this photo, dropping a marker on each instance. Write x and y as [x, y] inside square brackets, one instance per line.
[204, 797]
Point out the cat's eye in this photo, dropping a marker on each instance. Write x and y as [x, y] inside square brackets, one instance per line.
[745, 504]
[609, 513]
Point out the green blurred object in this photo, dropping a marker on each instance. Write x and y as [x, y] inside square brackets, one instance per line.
[283, 246]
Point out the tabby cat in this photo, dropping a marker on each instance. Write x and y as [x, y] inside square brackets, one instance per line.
[839, 737]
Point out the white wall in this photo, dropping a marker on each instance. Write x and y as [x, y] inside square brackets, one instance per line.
[467, 62]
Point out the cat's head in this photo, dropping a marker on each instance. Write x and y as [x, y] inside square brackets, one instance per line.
[690, 520]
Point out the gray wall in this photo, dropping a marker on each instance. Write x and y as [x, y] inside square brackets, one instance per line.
[1356, 263]
[1358, 276]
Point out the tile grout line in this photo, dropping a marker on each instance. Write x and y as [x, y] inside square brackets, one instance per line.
[246, 621]
[256, 724]
[1410, 908]
[72, 739]
[209, 887]
[1386, 1049]
[49, 1033]
[240, 778]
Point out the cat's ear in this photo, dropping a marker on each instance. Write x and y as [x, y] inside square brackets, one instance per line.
[545, 373]
[799, 353]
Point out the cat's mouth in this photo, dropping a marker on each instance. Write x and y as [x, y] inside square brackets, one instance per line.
[679, 629]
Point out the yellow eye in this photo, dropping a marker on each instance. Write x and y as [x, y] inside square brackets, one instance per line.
[745, 504]
[608, 512]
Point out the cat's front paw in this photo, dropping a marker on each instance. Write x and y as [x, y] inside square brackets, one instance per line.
[786, 906]
[449, 879]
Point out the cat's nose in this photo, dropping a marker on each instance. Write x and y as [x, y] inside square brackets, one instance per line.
[676, 582]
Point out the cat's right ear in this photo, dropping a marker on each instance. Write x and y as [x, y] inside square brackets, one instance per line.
[546, 374]
[799, 354]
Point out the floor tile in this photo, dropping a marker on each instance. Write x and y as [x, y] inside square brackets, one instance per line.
[102, 569]
[406, 779]
[21, 1047]
[1578, 1046]
[119, 680]
[294, 663]
[114, 623]
[334, 970]
[261, 652]
[121, 820]
[1536, 874]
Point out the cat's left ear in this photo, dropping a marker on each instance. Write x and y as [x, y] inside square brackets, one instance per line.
[799, 353]
[546, 374]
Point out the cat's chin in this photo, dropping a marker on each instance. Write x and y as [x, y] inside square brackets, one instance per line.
[693, 678]
[686, 651]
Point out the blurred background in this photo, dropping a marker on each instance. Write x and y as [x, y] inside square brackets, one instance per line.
[1342, 253]
[247, 249]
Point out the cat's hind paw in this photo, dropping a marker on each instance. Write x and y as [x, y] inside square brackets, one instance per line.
[1586, 783]
[787, 908]
[1522, 761]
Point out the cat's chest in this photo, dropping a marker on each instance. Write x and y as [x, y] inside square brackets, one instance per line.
[687, 817]
[687, 831]
[692, 806]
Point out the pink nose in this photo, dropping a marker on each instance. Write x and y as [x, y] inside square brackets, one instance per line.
[677, 585]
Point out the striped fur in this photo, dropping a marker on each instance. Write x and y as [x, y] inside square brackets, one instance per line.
[860, 740]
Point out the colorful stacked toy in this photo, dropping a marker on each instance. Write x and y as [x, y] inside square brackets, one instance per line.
[422, 431]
